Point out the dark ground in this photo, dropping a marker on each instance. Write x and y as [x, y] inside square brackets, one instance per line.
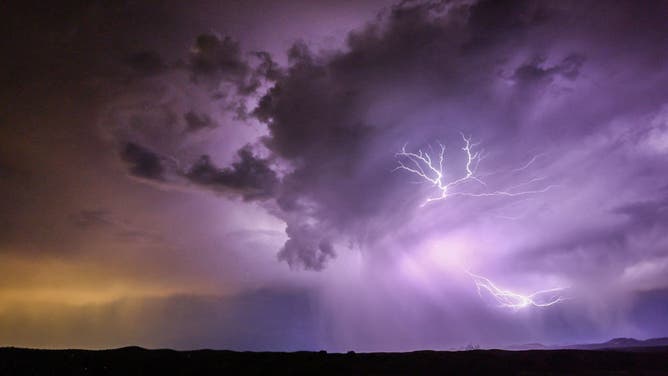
[138, 361]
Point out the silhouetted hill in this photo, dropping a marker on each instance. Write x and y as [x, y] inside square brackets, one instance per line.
[623, 343]
[629, 344]
[138, 361]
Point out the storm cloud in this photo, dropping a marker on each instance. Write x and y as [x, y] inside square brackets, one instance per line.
[249, 176]
[142, 162]
[251, 151]
[425, 71]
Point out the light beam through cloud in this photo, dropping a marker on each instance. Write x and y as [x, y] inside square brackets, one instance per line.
[432, 169]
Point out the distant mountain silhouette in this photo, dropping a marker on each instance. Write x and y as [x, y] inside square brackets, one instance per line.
[626, 360]
[615, 343]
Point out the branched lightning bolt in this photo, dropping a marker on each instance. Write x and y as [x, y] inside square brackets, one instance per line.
[432, 169]
[510, 299]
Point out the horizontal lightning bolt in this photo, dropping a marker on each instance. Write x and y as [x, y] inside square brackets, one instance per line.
[514, 300]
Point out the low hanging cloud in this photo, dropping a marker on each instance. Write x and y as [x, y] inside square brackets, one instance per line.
[306, 248]
[249, 176]
[142, 162]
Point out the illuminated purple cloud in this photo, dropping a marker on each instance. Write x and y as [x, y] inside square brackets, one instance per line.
[216, 161]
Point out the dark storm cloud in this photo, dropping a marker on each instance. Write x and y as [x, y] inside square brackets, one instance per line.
[267, 68]
[317, 112]
[517, 75]
[217, 57]
[491, 22]
[316, 117]
[142, 162]
[215, 60]
[534, 72]
[306, 248]
[249, 176]
[196, 122]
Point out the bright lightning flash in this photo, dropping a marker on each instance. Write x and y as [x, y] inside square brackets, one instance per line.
[510, 299]
[432, 170]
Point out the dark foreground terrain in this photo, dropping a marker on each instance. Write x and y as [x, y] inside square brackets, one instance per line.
[138, 361]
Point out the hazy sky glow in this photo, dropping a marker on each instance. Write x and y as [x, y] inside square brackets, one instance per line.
[224, 174]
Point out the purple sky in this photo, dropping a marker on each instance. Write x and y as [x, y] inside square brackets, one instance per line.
[223, 174]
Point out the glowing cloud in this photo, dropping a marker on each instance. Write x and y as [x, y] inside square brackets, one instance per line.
[510, 299]
[432, 170]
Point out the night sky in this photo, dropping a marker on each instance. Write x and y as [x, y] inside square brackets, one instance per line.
[228, 174]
